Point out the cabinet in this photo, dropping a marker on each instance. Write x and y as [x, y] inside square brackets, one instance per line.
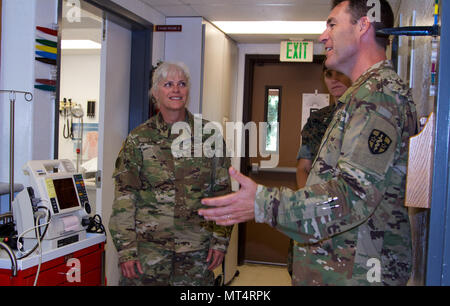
[74, 266]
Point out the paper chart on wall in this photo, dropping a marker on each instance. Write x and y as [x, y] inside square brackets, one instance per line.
[312, 103]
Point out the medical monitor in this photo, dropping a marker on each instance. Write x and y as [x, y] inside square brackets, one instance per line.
[66, 193]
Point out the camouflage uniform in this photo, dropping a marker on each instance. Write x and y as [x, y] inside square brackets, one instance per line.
[349, 222]
[157, 195]
[312, 135]
[313, 132]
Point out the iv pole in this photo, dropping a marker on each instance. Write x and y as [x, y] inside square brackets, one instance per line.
[12, 98]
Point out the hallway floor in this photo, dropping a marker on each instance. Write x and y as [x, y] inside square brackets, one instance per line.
[261, 275]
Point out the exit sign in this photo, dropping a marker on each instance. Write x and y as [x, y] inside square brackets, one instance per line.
[296, 51]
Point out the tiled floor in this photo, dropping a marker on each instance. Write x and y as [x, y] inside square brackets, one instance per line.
[261, 275]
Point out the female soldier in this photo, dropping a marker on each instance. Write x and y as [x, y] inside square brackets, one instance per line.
[155, 227]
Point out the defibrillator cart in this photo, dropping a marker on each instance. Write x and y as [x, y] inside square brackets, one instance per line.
[53, 240]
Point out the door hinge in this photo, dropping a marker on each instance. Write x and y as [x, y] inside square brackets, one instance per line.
[98, 179]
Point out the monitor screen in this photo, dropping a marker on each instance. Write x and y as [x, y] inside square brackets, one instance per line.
[66, 193]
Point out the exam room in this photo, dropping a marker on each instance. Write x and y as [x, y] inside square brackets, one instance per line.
[93, 96]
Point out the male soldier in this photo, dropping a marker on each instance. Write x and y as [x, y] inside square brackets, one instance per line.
[154, 225]
[350, 218]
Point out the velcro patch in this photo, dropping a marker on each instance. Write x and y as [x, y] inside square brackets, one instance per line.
[379, 142]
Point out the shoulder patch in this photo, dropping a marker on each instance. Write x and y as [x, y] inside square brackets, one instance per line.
[379, 142]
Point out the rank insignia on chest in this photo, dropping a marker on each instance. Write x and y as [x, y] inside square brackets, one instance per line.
[379, 142]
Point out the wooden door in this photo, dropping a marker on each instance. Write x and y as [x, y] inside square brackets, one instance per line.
[261, 242]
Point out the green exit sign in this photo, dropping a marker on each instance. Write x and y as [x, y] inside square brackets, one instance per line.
[296, 51]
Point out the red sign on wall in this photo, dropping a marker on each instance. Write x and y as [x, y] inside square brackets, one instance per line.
[167, 28]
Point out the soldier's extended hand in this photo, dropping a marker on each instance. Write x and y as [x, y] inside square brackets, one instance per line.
[128, 269]
[235, 207]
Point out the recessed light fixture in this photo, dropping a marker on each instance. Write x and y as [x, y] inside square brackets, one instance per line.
[80, 44]
[271, 27]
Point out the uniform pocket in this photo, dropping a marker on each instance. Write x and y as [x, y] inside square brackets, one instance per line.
[197, 178]
[156, 165]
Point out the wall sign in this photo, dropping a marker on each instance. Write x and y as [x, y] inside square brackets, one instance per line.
[296, 51]
[311, 103]
[167, 28]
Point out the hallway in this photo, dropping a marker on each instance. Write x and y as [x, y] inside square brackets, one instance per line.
[221, 86]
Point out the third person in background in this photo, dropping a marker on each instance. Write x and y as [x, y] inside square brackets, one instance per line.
[314, 129]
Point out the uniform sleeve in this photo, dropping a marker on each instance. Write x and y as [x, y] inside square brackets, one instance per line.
[352, 193]
[304, 153]
[307, 134]
[222, 185]
[127, 183]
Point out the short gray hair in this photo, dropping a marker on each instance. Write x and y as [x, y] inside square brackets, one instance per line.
[164, 69]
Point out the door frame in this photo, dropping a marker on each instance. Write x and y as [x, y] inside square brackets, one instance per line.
[141, 58]
[438, 259]
[141, 62]
[251, 60]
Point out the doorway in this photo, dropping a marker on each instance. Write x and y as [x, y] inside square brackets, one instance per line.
[265, 78]
[79, 90]
[108, 90]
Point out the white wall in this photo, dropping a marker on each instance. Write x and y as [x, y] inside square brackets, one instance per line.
[33, 121]
[187, 47]
[220, 60]
[219, 74]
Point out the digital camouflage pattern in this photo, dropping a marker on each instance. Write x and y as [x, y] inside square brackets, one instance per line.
[313, 132]
[351, 211]
[167, 267]
[157, 197]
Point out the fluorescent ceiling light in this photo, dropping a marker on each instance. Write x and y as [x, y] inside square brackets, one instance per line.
[80, 44]
[271, 27]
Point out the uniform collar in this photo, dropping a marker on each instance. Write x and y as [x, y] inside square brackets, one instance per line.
[364, 77]
[164, 128]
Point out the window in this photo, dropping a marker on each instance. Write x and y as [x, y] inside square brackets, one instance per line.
[272, 118]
